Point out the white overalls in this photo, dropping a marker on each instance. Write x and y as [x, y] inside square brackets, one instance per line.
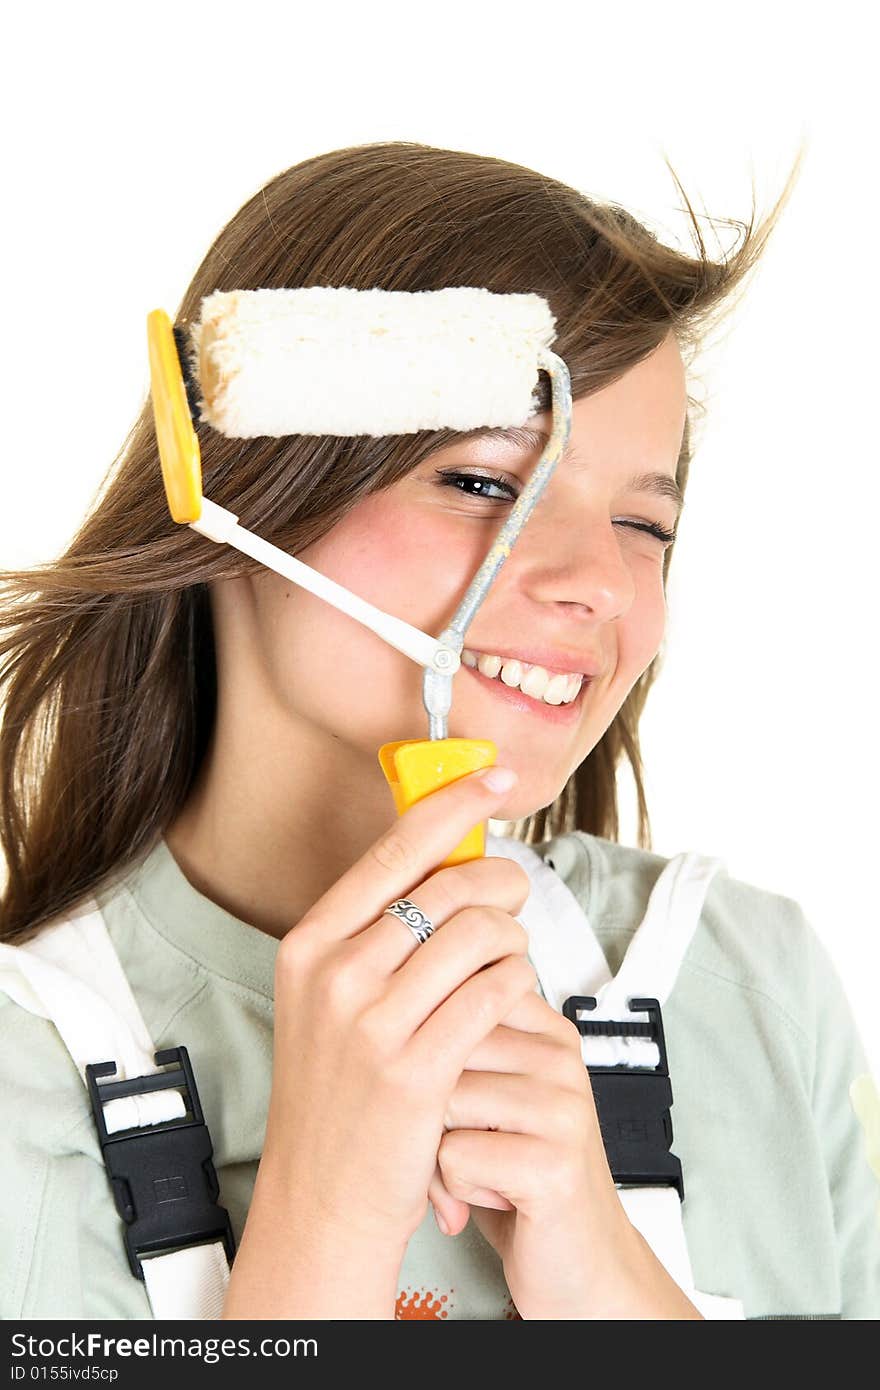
[70, 973]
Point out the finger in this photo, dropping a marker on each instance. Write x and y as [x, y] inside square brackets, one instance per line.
[389, 942]
[513, 1103]
[536, 1176]
[488, 1197]
[405, 854]
[511, 1050]
[472, 1161]
[532, 1014]
[473, 940]
[441, 1046]
[528, 1039]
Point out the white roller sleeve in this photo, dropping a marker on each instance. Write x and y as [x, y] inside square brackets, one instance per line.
[324, 360]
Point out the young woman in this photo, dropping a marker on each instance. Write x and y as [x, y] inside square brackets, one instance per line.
[190, 743]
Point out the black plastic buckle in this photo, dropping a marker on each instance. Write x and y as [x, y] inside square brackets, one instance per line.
[164, 1183]
[632, 1103]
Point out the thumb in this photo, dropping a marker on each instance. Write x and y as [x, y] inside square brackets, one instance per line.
[447, 1208]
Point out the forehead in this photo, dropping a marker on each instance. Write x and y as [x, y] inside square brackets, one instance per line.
[636, 422]
[639, 417]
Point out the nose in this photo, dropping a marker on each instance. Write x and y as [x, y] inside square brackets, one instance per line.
[578, 562]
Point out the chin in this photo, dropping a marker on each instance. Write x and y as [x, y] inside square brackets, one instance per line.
[518, 807]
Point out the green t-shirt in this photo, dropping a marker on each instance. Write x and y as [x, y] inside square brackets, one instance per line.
[781, 1206]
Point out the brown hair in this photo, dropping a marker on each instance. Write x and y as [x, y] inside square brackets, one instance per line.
[107, 653]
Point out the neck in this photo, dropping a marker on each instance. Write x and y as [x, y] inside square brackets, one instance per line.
[278, 812]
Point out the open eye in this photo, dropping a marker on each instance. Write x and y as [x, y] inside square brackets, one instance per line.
[482, 480]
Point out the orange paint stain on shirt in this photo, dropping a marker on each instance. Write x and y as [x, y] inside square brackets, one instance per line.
[421, 1304]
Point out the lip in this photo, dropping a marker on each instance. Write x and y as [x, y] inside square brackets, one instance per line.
[554, 659]
[527, 704]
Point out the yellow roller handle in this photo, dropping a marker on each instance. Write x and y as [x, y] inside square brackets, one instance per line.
[414, 768]
[177, 440]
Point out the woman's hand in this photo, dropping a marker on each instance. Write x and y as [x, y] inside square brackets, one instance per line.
[372, 1030]
[522, 1123]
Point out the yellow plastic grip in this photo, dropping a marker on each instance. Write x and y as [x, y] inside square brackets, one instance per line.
[177, 440]
[414, 768]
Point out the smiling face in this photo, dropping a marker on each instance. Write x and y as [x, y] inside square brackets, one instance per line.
[585, 578]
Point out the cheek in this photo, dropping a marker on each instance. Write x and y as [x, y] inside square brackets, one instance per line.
[415, 567]
[415, 570]
[641, 631]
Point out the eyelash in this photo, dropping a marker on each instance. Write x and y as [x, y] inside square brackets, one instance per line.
[451, 479]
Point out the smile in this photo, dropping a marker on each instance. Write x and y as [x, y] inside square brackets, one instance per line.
[553, 687]
[517, 698]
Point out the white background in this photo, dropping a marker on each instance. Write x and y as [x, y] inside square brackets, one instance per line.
[134, 133]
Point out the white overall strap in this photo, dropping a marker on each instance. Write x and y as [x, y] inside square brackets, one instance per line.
[71, 974]
[569, 960]
[661, 942]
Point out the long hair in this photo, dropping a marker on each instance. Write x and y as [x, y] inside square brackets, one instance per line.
[107, 661]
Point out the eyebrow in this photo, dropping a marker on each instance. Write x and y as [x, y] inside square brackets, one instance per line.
[526, 437]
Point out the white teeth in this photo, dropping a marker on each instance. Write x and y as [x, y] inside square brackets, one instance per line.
[535, 681]
[556, 690]
[489, 665]
[511, 672]
[575, 682]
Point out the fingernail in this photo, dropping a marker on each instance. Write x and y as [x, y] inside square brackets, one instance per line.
[440, 1222]
[500, 779]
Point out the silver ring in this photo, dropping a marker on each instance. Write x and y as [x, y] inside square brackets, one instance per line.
[418, 922]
